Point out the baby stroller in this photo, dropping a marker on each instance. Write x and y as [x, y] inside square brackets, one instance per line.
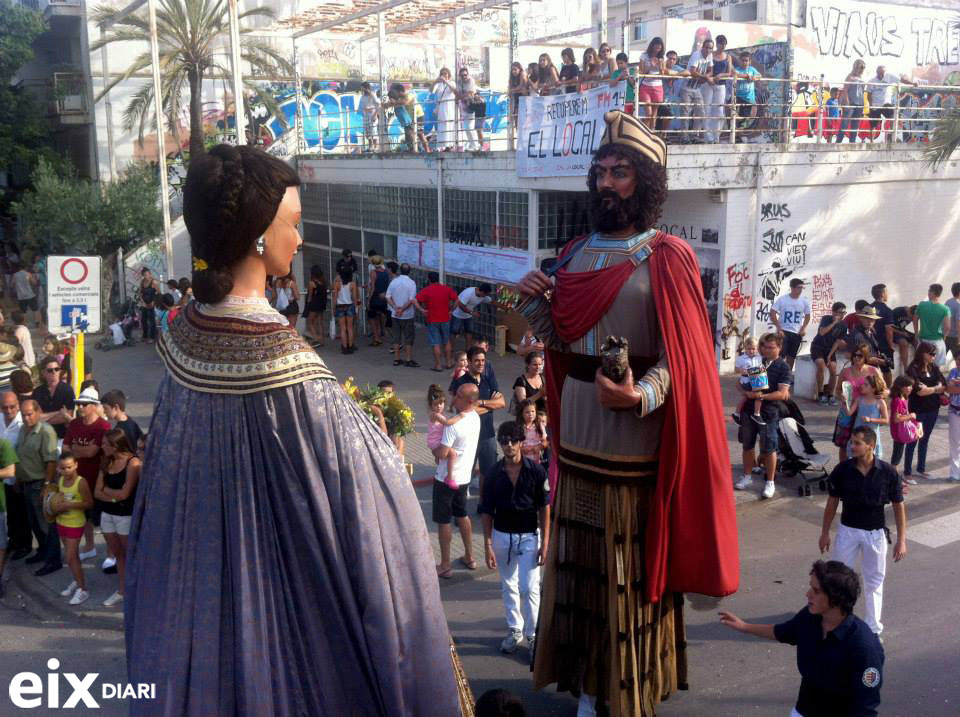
[798, 455]
[121, 330]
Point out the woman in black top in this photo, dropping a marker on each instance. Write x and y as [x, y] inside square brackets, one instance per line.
[529, 385]
[116, 490]
[513, 504]
[316, 305]
[569, 70]
[516, 88]
[149, 292]
[925, 402]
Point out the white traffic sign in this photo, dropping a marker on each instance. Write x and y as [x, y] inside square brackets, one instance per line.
[73, 292]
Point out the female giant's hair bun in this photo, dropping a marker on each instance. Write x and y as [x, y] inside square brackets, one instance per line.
[230, 198]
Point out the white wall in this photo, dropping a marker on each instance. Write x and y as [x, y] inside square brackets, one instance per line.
[841, 239]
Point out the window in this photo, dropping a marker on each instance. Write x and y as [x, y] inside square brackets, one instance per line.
[345, 203]
[640, 29]
[743, 12]
[512, 226]
[563, 216]
[708, 12]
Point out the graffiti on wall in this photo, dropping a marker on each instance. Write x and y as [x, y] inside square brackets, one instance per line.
[737, 300]
[821, 296]
[783, 255]
[922, 43]
[332, 121]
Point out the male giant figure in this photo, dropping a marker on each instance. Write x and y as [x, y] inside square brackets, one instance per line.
[643, 496]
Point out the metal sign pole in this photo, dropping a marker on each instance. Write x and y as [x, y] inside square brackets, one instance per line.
[161, 135]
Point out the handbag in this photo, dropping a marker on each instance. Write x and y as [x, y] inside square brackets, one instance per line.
[283, 301]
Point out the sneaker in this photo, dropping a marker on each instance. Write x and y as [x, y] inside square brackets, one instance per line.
[744, 483]
[113, 599]
[832, 401]
[954, 478]
[89, 554]
[736, 418]
[768, 489]
[824, 399]
[910, 481]
[108, 563]
[510, 642]
[758, 470]
[79, 597]
[71, 588]
[411, 364]
[758, 420]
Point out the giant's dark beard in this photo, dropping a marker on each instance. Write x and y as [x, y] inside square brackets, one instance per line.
[610, 213]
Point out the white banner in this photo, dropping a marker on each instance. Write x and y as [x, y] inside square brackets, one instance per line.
[558, 134]
[500, 265]
[73, 292]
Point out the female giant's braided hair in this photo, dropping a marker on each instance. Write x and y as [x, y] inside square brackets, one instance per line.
[230, 198]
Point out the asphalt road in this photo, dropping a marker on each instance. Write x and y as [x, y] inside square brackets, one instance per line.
[730, 674]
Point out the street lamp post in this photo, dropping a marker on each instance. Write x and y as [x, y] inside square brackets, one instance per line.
[240, 120]
[161, 135]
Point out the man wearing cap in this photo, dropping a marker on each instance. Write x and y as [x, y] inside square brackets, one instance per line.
[640, 474]
[84, 438]
[791, 314]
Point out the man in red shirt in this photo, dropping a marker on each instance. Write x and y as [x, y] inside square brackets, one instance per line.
[84, 436]
[435, 300]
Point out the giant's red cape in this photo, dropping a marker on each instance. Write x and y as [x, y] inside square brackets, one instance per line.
[691, 533]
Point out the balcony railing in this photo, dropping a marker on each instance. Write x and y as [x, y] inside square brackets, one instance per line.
[69, 93]
[786, 112]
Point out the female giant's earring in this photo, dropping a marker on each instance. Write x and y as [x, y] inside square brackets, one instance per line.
[261, 245]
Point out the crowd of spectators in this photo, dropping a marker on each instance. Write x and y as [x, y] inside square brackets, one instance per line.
[718, 95]
[880, 366]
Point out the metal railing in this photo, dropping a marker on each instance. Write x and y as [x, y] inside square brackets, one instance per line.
[786, 111]
[70, 93]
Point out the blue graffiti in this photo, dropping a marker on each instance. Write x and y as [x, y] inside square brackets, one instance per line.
[332, 119]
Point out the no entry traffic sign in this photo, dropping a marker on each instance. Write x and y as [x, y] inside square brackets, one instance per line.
[73, 292]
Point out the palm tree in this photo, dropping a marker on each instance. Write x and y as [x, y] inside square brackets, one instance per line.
[192, 40]
[946, 135]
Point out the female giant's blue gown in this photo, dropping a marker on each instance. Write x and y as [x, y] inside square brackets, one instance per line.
[279, 561]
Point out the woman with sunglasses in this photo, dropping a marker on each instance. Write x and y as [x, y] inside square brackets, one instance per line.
[513, 505]
[850, 385]
[925, 402]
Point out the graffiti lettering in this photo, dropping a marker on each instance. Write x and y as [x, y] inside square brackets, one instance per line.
[774, 212]
[938, 42]
[737, 300]
[822, 298]
[763, 312]
[855, 34]
[772, 242]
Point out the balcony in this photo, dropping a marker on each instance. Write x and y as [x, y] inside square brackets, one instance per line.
[69, 100]
[60, 8]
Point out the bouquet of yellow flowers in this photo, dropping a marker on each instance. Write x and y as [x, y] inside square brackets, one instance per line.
[397, 415]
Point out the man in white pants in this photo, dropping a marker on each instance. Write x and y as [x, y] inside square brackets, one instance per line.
[865, 484]
[516, 530]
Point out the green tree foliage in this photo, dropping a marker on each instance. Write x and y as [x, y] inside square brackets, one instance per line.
[24, 130]
[66, 214]
[192, 37]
